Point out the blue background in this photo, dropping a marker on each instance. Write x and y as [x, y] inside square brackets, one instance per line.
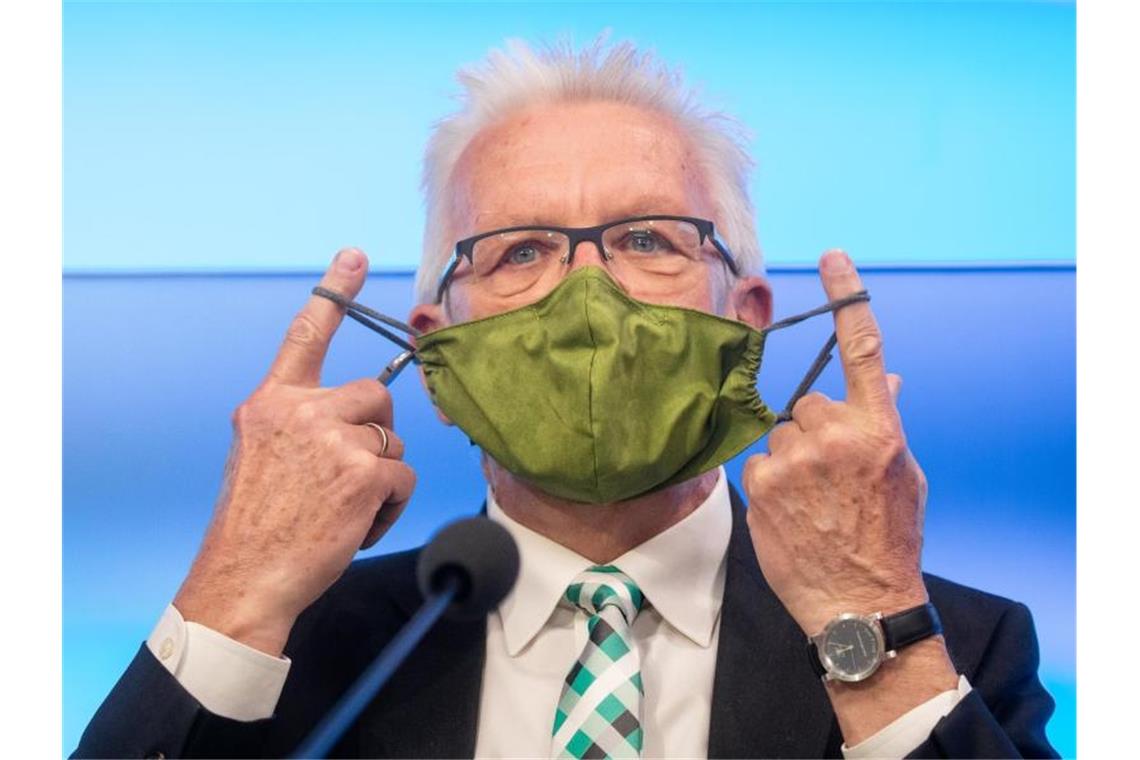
[266, 136]
[245, 143]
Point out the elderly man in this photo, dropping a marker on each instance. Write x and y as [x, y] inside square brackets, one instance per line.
[658, 612]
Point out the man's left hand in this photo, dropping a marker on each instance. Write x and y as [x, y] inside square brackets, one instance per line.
[836, 508]
[835, 511]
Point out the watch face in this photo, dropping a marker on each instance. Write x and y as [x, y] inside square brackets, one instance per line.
[853, 647]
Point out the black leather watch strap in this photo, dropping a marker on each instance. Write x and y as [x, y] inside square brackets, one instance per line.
[909, 626]
[899, 630]
[813, 658]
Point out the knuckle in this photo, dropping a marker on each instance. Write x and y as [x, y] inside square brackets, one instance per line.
[371, 391]
[833, 440]
[383, 396]
[923, 484]
[410, 477]
[756, 474]
[812, 400]
[307, 413]
[333, 439]
[361, 463]
[396, 482]
[888, 431]
[892, 453]
[799, 458]
[779, 436]
[397, 470]
[304, 332]
[242, 415]
[250, 412]
[866, 347]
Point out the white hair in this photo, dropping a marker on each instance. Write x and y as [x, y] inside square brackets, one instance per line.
[518, 77]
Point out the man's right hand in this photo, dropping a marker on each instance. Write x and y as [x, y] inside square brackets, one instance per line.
[305, 484]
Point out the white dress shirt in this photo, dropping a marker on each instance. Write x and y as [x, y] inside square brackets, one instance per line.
[534, 638]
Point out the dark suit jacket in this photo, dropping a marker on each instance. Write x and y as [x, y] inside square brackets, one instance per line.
[766, 700]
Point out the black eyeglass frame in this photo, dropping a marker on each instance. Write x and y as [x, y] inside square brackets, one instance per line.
[464, 248]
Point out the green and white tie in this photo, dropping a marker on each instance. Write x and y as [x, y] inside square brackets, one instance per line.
[599, 712]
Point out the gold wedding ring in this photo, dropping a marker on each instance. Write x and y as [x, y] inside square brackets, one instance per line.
[383, 437]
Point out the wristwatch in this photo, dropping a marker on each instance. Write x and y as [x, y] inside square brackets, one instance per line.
[852, 647]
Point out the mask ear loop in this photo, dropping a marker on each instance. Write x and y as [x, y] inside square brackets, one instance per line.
[369, 318]
[823, 357]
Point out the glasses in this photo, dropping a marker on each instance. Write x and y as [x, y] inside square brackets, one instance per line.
[517, 260]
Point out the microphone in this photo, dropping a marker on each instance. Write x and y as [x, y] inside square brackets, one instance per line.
[464, 572]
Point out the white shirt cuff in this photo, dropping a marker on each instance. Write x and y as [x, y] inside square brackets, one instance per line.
[902, 736]
[227, 677]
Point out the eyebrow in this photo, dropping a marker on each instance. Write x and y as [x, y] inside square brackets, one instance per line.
[642, 205]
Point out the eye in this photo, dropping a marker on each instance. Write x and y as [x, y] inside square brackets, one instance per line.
[524, 253]
[646, 242]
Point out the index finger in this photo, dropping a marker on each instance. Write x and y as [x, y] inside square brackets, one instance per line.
[302, 353]
[860, 342]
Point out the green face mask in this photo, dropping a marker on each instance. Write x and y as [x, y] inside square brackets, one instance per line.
[594, 396]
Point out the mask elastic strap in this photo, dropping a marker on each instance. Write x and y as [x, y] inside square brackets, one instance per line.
[824, 356]
[835, 305]
[370, 319]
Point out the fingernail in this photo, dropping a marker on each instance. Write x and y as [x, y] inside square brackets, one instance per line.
[348, 260]
[836, 261]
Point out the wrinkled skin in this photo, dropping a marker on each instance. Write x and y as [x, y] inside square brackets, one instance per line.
[305, 486]
[837, 504]
[836, 513]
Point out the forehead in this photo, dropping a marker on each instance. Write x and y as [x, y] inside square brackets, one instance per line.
[576, 164]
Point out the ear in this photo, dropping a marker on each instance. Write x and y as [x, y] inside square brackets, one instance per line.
[750, 301]
[428, 317]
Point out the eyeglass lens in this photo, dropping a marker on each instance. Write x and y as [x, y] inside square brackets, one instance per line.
[510, 263]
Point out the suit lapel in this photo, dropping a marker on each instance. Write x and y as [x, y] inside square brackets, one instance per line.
[766, 701]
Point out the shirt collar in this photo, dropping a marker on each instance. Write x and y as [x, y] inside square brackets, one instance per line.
[680, 571]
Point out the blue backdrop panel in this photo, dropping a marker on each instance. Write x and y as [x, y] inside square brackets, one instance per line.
[155, 365]
[259, 135]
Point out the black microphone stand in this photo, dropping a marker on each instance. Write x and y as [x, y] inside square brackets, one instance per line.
[350, 705]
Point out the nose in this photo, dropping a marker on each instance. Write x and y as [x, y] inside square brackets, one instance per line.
[587, 254]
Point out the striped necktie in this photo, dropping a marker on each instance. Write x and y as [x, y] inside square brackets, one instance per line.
[599, 712]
